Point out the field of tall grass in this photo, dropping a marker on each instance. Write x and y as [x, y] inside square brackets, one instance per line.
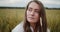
[9, 18]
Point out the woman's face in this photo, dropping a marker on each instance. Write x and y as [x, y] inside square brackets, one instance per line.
[33, 12]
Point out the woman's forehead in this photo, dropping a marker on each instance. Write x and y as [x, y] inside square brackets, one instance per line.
[34, 5]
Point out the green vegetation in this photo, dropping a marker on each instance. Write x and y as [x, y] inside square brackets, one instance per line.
[53, 20]
[9, 18]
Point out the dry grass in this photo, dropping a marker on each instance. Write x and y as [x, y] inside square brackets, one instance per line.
[9, 18]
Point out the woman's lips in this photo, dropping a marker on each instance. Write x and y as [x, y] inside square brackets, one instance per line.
[31, 17]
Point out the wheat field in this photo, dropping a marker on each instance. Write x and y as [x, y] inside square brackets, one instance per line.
[9, 18]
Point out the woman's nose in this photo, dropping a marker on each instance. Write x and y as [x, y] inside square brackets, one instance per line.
[32, 13]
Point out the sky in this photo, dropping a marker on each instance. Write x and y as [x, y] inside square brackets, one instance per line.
[23, 3]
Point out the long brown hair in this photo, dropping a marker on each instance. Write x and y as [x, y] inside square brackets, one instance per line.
[38, 26]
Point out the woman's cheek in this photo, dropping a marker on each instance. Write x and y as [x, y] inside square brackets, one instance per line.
[27, 13]
[36, 17]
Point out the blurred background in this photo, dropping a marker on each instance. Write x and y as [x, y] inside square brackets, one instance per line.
[12, 13]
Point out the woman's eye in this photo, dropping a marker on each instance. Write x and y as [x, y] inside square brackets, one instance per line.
[30, 9]
[37, 11]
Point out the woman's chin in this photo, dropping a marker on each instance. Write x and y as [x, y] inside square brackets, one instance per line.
[31, 21]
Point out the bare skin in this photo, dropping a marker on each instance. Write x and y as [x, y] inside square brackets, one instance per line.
[32, 14]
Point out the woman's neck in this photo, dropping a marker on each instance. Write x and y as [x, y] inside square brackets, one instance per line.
[33, 25]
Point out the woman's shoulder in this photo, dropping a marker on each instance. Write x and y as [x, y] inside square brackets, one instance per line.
[18, 28]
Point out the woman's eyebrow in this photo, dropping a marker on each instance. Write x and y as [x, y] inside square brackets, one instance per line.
[36, 9]
[30, 8]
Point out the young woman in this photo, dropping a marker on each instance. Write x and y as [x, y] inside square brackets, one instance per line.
[35, 18]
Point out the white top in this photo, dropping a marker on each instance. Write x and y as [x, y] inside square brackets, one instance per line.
[19, 28]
